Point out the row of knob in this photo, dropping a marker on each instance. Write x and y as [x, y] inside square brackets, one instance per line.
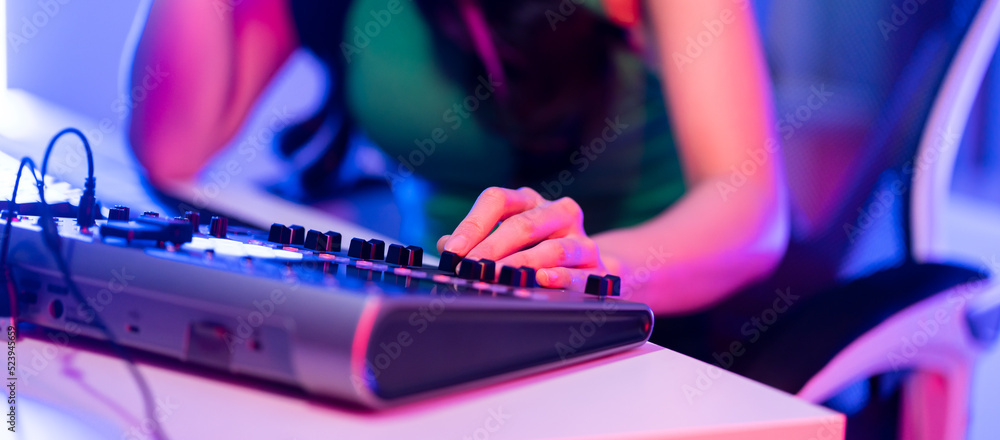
[296, 235]
[607, 285]
[485, 270]
[374, 249]
[218, 226]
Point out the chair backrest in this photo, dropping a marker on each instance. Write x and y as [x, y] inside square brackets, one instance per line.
[822, 247]
[935, 160]
[839, 233]
[933, 95]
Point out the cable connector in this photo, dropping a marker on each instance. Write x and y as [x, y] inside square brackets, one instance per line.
[88, 204]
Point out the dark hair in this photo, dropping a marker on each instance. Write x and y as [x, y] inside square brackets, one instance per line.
[558, 72]
[557, 66]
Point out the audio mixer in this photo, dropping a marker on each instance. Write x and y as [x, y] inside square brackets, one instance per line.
[358, 320]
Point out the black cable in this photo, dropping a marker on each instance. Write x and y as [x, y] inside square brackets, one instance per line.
[86, 146]
[50, 235]
[147, 395]
[5, 243]
[85, 212]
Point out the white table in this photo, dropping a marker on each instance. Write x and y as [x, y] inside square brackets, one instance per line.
[646, 393]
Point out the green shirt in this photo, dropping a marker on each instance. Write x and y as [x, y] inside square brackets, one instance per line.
[403, 99]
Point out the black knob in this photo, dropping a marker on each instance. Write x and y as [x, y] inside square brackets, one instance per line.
[319, 241]
[118, 213]
[405, 256]
[469, 269]
[518, 277]
[449, 261]
[333, 238]
[378, 249]
[614, 285]
[359, 248]
[194, 218]
[153, 214]
[298, 234]
[218, 227]
[397, 254]
[482, 270]
[528, 280]
[596, 284]
[315, 240]
[608, 285]
[416, 256]
[489, 270]
[373, 249]
[507, 273]
[280, 234]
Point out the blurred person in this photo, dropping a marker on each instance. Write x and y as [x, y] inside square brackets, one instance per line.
[574, 136]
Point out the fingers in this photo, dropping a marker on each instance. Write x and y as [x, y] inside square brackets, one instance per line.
[493, 205]
[441, 242]
[532, 232]
[563, 278]
[556, 219]
[559, 252]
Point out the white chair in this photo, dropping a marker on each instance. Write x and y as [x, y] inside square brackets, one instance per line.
[939, 338]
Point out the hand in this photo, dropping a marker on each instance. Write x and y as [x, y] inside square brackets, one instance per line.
[533, 232]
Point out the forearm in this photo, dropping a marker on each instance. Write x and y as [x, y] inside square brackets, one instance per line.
[172, 129]
[722, 234]
[704, 248]
[214, 62]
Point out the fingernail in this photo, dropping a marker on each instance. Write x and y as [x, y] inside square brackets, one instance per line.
[456, 244]
[543, 276]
